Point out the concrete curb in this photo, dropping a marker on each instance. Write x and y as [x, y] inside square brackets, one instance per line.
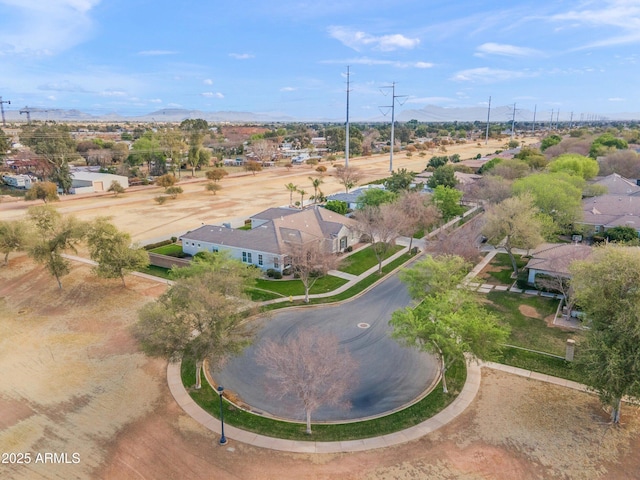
[455, 408]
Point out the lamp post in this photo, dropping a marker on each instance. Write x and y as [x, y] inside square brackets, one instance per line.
[223, 439]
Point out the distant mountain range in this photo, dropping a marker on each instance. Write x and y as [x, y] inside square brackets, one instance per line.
[430, 113]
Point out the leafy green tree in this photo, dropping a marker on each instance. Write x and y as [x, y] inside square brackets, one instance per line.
[54, 143]
[434, 275]
[337, 206]
[292, 189]
[513, 223]
[622, 234]
[606, 143]
[374, 197]
[437, 161]
[14, 236]
[510, 169]
[167, 180]
[550, 141]
[45, 191]
[533, 157]
[54, 234]
[113, 251]
[146, 149]
[213, 187]
[202, 315]
[444, 176]
[172, 143]
[253, 166]
[400, 180]
[5, 145]
[449, 325]
[575, 164]
[316, 182]
[173, 192]
[447, 200]
[606, 288]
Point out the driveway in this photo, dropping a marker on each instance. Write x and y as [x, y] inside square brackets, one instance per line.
[389, 377]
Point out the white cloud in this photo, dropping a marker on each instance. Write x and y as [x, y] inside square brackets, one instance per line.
[156, 53]
[287, 89]
[155, 100]
[622, 16]
[241, 56]
[43, 28]
[357, 40]
[489, 75]
[207, 81]
[212, 95]
[505, 50]
[616, 99]
[113, 93]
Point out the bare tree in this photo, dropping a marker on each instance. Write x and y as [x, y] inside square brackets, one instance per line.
[311, 368]
[463, 241]
[310, 261]
[264, 150]
[380, 226]
[416, 213]
[348, 176]
[561, 284]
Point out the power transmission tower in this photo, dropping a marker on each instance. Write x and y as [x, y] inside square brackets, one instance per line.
[393, 118]
[486, 136]
[513, 122]
[533, 129]
[346, 143]
[2, 102]
[27, 110]
[551, 121]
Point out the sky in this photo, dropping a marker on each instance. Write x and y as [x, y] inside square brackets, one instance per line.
[290, 57]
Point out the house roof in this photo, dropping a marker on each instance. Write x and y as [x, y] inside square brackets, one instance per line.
[272, 236]
[612, 211]
[273, 213]
[618, 185]
[555, 258]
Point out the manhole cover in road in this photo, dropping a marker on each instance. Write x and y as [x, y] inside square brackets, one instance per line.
[363, 325]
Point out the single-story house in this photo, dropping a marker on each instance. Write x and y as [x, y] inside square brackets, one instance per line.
[351, 198]
[618, 208]
[90, 182]
[553, 259]
[265, 245]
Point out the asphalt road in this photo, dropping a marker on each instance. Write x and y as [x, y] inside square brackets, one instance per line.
[390, 375]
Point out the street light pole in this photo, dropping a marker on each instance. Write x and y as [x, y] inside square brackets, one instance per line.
[223, 439]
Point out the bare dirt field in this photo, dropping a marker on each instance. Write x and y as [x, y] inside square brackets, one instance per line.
[242, 195]
[75, 382]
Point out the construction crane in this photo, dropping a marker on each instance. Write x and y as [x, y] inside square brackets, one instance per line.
[29, 111]
[2, 102]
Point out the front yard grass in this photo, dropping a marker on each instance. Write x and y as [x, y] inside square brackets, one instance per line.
[172, 250]
[413, 415]
[286, 288]
[364, 259]
[500, 269]
[526, 315]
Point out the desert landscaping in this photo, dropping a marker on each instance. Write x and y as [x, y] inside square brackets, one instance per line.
[75, 382]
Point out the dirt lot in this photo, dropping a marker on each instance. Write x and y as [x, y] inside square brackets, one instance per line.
[74, 381]
[242, 195]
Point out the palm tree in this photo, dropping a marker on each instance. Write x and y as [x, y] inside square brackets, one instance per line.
[302, 194]
[292, 188]
[316, 182]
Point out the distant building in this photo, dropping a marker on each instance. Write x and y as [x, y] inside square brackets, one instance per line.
[93, 182]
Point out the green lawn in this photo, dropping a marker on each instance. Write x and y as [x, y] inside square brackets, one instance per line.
[526, 331]
[157, 271]
[500, 269]
[364, 259]
[173, 250]
[426, 408]
[287, 288]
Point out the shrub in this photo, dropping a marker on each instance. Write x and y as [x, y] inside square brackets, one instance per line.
[277, 275]
[161, 199]
[286, 271]
[349, 249]
[521, 281]
[151, 246]
[270, 272]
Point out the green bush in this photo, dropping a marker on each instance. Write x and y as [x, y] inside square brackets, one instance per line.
[151, 246]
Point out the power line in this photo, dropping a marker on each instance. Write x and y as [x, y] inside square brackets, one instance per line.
[393, 121]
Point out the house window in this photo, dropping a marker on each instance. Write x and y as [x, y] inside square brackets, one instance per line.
[260, 259]
[246, 257]
[276, 263]
[343, 243]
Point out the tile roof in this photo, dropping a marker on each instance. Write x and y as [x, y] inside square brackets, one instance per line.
[556, 257]
[618, 185]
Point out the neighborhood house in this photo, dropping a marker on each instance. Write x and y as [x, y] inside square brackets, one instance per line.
[266, 244]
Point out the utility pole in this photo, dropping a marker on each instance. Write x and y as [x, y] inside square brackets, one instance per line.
[513, 122]
[486, 137]
[346, 142]
[27, 110]
[2, 102]
[571, 121]
[533, 129]
[393, 119]
[557, 119]
[551, 121]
